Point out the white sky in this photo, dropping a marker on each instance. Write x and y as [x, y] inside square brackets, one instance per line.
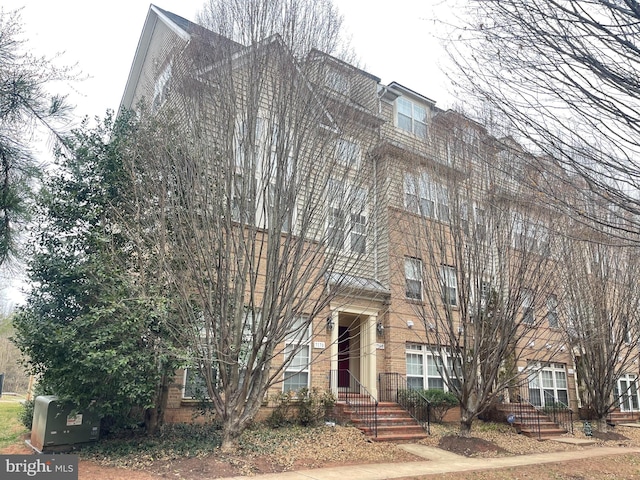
[392, 39]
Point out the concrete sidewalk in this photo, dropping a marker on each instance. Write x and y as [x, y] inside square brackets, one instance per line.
[440, 461]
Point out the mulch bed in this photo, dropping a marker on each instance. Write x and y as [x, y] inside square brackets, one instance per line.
[468, 446]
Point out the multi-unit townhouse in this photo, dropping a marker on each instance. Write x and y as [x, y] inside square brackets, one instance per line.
[422, 258]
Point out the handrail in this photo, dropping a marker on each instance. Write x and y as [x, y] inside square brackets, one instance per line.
[522, 409]
[559, 413]
[357, 397]
[556, 411]
[393, 387]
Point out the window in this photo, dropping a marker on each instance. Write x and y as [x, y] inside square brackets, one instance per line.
[338, 230]
[338, 81]
[449, 286]
[279, 214]
[297, 352]
[443, 203]
[241, 203]
[528, 316]
[161, 87]
[524, 234]
[423, 196]
[626, 330]
[348, 153]
[413, 276]
[424, 367]
[552, 311]
[336, 216]
[359, 221]
[194, 385]
[548, 384]
[419, 194]
[626, 391]
[415, 367]
[464, 218]
[358, 233]
[411, 117]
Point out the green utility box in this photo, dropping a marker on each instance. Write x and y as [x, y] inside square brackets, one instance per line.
[56, 425]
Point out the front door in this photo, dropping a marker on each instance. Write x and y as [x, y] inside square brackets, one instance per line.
[343, 357]
[627, 393]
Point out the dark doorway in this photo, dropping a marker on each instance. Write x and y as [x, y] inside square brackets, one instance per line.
[343, 357]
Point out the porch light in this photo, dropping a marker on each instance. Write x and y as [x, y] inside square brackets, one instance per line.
[380, 328]
[410, 323]
[330, 323]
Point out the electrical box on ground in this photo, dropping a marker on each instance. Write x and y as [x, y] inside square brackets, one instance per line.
[57, 425]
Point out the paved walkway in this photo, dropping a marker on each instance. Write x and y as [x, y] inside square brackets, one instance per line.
[440, 461]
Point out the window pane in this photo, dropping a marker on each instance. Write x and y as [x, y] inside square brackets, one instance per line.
[404, 122]
[547, 379]
[300, 360]
[404, 107]
[426, 207]
[419, 113]
[436, 384]
[420, 129]
[414, 364]
[296, 381]
[415, 383]
[563, 397]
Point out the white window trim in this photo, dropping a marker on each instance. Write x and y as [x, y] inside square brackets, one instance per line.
[299, 344]
[348, 220]
[413, 268]
[429, 198]
[449, 283]
[413, 117]
[425, 352]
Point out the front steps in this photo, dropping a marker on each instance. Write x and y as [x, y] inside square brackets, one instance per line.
[617, 417]
[529, 421]
[393, 422]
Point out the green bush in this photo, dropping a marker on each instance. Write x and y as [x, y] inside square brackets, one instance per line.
[306, 407]
[281, 414]
[314, 406]
[26, 413]
[441, 402]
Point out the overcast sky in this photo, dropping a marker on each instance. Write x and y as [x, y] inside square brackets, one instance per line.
[392, 39]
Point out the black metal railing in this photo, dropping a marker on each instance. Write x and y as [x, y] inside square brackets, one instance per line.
[527, 415]
[558, 412]
[354, 394]
[393, 387]
[530, 410]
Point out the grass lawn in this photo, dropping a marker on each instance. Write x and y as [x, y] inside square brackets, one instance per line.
[10, 426]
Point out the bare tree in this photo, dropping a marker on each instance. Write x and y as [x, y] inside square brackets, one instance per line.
[600, 320]
[480, 250]
[565, 74]
[254, 195]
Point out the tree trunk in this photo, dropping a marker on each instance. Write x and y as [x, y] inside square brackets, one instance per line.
[466, 419]
[231, 431]
[154, 417]
[603, 426]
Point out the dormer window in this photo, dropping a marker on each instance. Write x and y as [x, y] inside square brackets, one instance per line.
[412, 117]
[338, 81]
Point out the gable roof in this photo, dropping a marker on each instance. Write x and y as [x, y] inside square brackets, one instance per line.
[177, 24]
